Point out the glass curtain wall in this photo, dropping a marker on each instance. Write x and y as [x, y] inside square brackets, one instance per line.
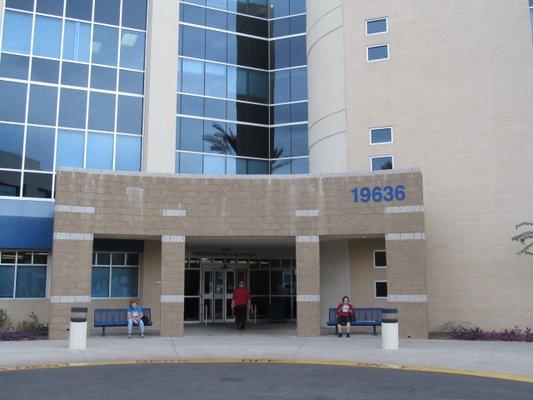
[71, 90]
[242, 87]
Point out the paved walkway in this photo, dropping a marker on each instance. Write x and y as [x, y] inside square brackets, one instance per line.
[281, 344]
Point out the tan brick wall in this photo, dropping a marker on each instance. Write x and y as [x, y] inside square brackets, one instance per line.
[308, 284]
[172, 284]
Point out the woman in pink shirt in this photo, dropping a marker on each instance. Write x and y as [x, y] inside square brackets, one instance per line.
[345, 314]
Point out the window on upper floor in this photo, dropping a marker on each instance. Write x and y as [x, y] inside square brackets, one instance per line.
[377, 53]
[381, 135]
[380, 259]
[377, 26]
[381, 163]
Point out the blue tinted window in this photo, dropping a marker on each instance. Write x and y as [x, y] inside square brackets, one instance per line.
[298, 24]
[43, 70]
[20, 4]
[297, 7]
[278, 167]
[298, 51]
[299, 112]
[102, 112]
[299, 84]
[128, 153]
[104, 78]
[190, 163]
[12, 66]
[131, 82]
[100, 151]
[54, 7]
[107, 11]
[37, 185]
[192, 42]
[191, 134]
[43, 103]
[130, 114]
[257, 167]
[280, 54]
[214, 165]
[216, 19]
[134, 14]
[280, 142]
[76, 41]
[215, 108]
[11, 143]
[192, 76]
[376, 26]
[191, 105]
[378, 52]
[72, 108]
[381, 135]
[222, 4]
[17, 32]
[258, 86]
[280, 83]
[7, 272]
[300, 165]
[100, 282]
[215, 80]
[70, 149]
[299, 140]
[47, 37]
[215, 46]
[132, 49]
[39, 149]
[12, 101]
[192, 14]
[74, 74]
[380, 163]
[279, 8]
[79, 9]
[124, 282]
[280, 27]
[105, 45]
[9, 183]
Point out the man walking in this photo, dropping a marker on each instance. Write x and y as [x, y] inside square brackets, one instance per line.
[240, 304]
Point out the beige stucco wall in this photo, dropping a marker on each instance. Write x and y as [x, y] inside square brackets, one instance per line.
[18, 310]
[459, 98]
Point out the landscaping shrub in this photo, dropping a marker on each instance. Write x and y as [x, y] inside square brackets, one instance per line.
[472, 332]
[32, 326]
[5, 323]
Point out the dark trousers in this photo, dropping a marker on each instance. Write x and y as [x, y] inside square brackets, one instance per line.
[240, 314]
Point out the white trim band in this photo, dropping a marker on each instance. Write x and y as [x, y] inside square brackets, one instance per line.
[407, 298]
[75, 209]
[307, 213]
[308, 298]
[73, 236]
[307, 239]
[169, 298]
[173, 239]
[175, 213]
[70, 299]
[404, 209]
[405, 236]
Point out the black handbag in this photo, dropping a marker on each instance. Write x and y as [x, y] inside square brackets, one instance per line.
[145, 320]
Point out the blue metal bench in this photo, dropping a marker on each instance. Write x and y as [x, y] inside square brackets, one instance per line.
[109, 317]
[363, 317]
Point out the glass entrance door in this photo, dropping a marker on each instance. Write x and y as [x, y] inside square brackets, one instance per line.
[218, 284]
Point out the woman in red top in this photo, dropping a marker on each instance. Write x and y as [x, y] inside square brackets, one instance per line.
[345, 314]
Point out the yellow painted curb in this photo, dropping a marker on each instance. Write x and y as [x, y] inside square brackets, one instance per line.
[264, 361]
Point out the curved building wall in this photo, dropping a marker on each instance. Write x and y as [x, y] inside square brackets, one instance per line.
[327, 104]
[456, 92]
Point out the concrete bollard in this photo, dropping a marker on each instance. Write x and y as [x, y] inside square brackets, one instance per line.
[389, 329]
[78, 329]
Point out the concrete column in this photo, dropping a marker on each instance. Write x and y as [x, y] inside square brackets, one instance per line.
[308, 285]
[172, 285]
[161, 87]
[406, 279]
[71, 279]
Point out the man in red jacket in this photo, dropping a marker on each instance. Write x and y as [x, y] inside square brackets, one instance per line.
[240, 304]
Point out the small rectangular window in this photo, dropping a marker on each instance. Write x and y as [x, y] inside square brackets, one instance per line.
[380, 135]
[380, 289]
[381, 163]
[111, 278]
[22, 274]
[377, 26]
[377, 53]
[380, 259]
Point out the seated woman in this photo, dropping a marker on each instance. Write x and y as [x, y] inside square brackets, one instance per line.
[135, 316]
[345, 313]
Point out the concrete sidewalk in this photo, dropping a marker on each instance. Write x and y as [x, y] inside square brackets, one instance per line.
[486, 357]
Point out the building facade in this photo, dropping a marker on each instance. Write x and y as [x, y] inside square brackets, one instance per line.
[186, 130]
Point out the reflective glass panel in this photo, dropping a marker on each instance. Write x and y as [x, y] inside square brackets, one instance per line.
[7, 273]
[281, 87]
[376, 26]
[299, 140]
[298, 55]
[43, 70]
[74, 74]
[100, 282]
[215, 46]
[37, 185]
[102, 111]
[281, 142]
[53, 7]
[128, 153]
[192, 132]
[43, 104]
[215, 80]
[20, 4]
[134, 14]
[214, 165]
[124, 282]
[40, 149]
[192, 76]
[79, 9]
[70, 149]
[192, 42]
[131, 82]
[298, 84]
[76, 41]
[12, 66]
[190, 163]
[380, 163]
[10, 183]
[192, 14]
[381, 135]
[47, 36]
[16, 32]
[378, 53]
[100, 151]
[107, 11]
[72, 108]
[105, 45]
[11, 142]
[130, 116]
[103, 78]
[132, 49]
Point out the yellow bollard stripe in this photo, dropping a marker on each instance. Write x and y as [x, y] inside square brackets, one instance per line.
[266, 361]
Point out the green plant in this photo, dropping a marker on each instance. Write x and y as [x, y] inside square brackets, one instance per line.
[525, 238]
[33, 326]
[5, 322]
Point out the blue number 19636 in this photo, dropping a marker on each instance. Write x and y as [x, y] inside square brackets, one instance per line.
[378, 194]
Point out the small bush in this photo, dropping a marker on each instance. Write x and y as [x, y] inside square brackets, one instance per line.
[32, 326]
[15, 336]
[471, 332]
[5, 322]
